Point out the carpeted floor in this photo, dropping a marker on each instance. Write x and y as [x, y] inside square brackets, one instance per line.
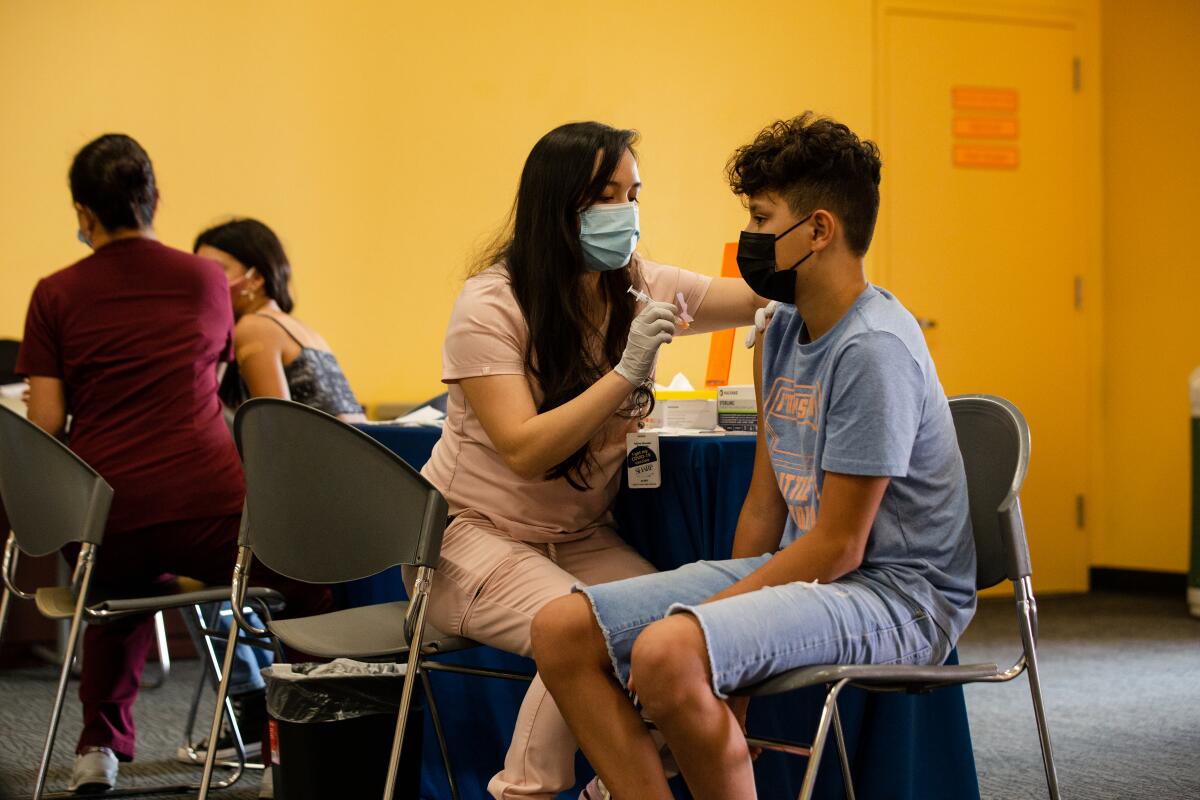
[1121, 677]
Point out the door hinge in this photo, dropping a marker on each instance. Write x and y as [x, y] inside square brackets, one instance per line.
[1080, 511]
[1078, 292]
[1077, 74]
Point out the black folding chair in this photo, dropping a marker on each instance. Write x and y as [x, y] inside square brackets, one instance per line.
[325, 503]
[994, 440]
[52, 499]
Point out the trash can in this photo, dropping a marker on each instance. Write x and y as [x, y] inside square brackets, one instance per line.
[331, 728]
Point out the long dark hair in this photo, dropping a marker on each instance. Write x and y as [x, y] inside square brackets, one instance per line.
[113, 178]
[258, 248]
[540, 247]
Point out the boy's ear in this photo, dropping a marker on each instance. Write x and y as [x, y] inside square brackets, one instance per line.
[825, 227]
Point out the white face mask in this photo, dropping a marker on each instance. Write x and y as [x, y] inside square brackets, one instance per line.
[238, 284]
[609, 234]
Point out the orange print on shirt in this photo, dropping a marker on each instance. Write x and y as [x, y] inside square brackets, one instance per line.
[799, 492]
[796, 403]
[790, 403]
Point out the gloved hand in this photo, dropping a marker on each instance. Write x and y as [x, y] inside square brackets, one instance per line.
[652, 328]
[762, 318]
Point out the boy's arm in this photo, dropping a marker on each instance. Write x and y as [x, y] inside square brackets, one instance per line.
[764, 512]
[875, 408]
[834, 546]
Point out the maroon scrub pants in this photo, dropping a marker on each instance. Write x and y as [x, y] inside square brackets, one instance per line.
[136, 563]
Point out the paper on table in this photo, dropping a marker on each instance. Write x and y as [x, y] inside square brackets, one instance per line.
[684, 431]
[423, 417]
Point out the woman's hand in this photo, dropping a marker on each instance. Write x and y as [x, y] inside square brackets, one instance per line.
[652, 328]
[762, 318]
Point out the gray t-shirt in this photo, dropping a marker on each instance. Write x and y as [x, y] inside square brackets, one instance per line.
[865, 399]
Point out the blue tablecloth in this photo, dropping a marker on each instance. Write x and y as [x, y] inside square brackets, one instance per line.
[907, 747]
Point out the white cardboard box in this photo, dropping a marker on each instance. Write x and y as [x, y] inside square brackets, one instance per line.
[698, 415]
[736, 408]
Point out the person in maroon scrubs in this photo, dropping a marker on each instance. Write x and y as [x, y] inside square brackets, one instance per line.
[127, 343]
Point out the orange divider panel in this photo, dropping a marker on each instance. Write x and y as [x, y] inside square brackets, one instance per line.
[720, 350]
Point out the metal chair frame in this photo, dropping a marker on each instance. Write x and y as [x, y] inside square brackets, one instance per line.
[210, 674]
[72, 601]
[1014, 552]
[434, 520]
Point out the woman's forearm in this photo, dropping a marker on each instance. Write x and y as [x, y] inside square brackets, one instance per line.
[533, 446]
[729, 303]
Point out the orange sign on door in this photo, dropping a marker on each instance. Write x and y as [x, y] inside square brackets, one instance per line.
[998, 122]
[981, 157]
[983, 98]
[985, 127]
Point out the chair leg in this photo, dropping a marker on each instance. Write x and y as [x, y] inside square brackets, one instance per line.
[410, 679]
[5, 596]
[8, 567]
[64, 676]
[206, 666]
[818, 746]
[1027, 618]
[189, 725]
[441, 737]
[164, 654]
[843, 757]
[221, 707]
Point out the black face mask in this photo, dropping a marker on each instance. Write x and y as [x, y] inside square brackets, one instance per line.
[756, 261]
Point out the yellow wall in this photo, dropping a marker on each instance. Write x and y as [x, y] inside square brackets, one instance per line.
[384, 140]
[1152, 317]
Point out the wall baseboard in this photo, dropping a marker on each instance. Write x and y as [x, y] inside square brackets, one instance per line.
[1138, 581]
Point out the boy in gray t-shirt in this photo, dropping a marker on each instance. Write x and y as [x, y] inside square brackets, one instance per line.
[854, 542]
[864, 399]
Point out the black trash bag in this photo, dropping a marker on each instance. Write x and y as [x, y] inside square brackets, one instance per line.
[341, 689]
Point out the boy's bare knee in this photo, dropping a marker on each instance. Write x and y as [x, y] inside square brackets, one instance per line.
[669, 664]
[564, 634]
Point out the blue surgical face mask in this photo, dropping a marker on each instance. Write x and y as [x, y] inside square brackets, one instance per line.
[609, 234]
[82, 237]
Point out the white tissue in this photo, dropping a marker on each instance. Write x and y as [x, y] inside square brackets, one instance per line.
[679, 383]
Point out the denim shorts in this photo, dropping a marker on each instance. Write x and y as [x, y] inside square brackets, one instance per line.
[750, 637]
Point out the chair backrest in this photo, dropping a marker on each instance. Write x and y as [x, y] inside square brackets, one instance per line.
[50, 495]
[994, 440]
[325, 502]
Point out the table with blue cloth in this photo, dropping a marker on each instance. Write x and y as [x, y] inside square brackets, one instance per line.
[907, 747]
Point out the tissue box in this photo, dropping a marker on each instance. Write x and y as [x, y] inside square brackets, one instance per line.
[695, 414]
[692, 414]
[736, 408]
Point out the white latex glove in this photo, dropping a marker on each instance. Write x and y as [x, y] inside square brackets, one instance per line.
[762, 318]
[652, 328]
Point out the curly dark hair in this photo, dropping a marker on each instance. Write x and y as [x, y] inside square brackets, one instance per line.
[814, 162]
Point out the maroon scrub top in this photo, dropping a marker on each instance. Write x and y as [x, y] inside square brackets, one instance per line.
[135, 332]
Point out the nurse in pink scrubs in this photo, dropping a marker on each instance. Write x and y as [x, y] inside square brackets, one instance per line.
[549, 360]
